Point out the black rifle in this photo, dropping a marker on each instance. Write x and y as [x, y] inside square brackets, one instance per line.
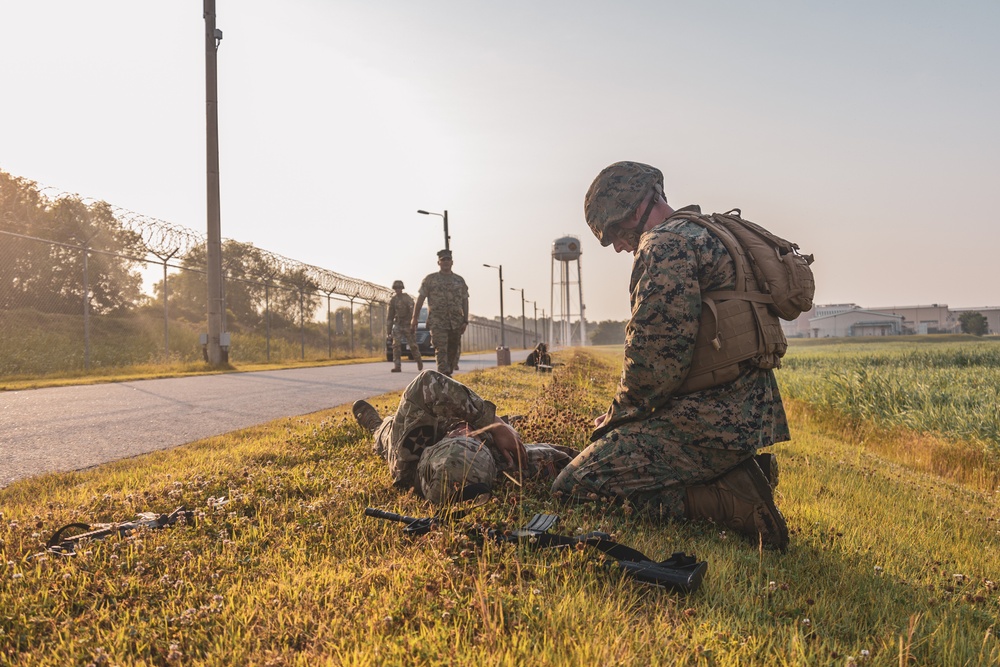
[415, 526]
[680, 572]
[66, 546]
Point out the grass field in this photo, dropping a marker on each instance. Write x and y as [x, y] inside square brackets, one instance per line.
[893, 559]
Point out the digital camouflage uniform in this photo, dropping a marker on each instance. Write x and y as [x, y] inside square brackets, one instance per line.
[654, 444]
[400, 311]
[446, 295]
[414, 444]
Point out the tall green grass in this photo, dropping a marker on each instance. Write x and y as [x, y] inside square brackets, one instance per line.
[949, 389]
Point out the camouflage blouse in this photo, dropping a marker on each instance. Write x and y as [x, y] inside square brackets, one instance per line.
[447, 300]
[675, 263]
[401, 310]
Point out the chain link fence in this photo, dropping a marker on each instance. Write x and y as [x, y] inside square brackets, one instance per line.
[85, 286]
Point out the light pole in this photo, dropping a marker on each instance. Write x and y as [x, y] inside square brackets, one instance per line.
[524, 336]
[535, 304]
[503, 352]
[441, 215]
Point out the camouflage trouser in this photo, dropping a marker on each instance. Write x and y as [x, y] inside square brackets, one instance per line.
[431, 405]
[447, 348]
[399, 332]
[647, 463]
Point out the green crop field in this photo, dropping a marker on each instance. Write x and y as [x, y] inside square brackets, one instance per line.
[888, 486]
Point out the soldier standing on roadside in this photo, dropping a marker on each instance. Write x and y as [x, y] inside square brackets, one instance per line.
[400, 308]
[447, 312]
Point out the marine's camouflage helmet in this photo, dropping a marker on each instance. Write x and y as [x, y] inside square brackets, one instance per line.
[397, 283]
[446, 468]
[616, 194]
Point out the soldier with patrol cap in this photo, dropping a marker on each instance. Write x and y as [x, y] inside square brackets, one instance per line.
[447, 442]
[447, 312]
[400, 309]
[674, 451]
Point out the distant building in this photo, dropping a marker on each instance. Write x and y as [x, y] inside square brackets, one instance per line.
[935, 318]
[855, 322]
[850, 319]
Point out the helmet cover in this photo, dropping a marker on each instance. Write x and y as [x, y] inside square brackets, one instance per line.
[616, 194]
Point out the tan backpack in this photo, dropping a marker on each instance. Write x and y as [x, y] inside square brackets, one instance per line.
[772, 280]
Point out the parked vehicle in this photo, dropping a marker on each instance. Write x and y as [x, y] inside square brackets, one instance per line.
[423, 340]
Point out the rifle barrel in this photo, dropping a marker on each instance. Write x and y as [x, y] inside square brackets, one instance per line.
[391, 516]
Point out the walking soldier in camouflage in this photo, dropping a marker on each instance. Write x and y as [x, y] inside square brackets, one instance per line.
[447, 312]
[675, 451]
[400, 310]
[447, 442]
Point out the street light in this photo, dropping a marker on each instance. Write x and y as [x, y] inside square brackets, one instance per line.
[524, 336]
[503, 353]
[535, 304]
[440, 215]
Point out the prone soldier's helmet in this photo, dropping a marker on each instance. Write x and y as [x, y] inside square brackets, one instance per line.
[616, 194]
[397, 283]
[448, 468]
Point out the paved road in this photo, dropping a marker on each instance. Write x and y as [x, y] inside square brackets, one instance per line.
[71, 428]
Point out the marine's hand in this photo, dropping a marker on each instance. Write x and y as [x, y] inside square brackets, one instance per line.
[509, 443]
[600, 420]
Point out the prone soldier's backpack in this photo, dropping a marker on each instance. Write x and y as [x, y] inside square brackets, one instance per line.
[772, 280]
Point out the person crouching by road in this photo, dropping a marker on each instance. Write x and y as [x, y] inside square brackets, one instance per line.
[400, 310]
[447, 312]
[677, 453]
[447, 442]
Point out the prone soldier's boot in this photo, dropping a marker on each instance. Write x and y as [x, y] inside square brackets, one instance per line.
[367, 415]
[740, 500]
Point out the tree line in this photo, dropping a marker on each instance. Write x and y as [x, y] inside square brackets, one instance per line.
[49, 276]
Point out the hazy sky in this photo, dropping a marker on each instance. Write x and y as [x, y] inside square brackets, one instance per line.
[865, 131]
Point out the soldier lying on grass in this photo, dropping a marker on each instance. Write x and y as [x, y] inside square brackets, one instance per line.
[447, 442]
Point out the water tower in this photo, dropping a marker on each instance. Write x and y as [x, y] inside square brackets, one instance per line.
[566, 250]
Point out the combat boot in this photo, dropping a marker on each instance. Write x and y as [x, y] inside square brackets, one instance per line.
[742, 501]
[366, 415]
[420, 364]
[396, 369]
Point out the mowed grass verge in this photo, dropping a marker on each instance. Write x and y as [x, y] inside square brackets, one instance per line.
[889, 563]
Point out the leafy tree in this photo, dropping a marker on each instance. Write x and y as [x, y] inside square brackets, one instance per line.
[253, 286]
[973, 322]
[608, 332]
[49, 276]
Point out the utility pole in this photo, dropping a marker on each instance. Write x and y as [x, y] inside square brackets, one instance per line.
[216, 354]
[524, 335]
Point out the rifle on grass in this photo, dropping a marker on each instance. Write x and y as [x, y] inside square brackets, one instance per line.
[414, 525]
[66, 546]
[680, 572]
